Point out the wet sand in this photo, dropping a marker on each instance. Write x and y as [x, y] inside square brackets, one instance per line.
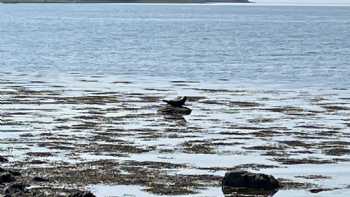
[104, 134]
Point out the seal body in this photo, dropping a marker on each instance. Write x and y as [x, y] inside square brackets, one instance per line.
[170, 110]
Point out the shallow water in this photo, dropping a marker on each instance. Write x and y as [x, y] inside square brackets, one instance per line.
[267, 85]
[133, 191]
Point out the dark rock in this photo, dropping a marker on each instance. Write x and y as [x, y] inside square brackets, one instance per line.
[3, 159]
[82, 194]
[244, 179]
[7, 178]
[37, 162]
[170, 110]
[12, 172]
[337, 151]
[40, 179]
[16, 189]
[318, 190]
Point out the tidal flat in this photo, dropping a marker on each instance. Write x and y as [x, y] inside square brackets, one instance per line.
[103, 134]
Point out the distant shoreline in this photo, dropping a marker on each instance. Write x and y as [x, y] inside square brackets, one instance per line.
[125, 1]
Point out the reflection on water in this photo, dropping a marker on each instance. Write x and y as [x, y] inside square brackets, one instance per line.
[136, 191]
[245, 192]
[178, 119]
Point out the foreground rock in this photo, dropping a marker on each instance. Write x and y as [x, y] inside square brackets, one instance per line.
[170, 110]
[3, 159]
[40, 179]
[16, 189]
[244, 179]
[14, 184]
[6, 178]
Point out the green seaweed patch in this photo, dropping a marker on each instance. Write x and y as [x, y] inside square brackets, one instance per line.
[198, 147]
[295, 143]
[39, 154]
[118, 148]
[261, 120]
[318, 190]
[243, 104]
[335, 108]
[122, 82]
[317, 177]
[98, 100]
[252, 166]
[289, 110]
[266, 133]
[338, 151]
[308, 160]
[151, 175]
[267, 147]
[290, 184]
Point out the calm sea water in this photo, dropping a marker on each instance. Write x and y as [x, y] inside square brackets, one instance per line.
[290, 47]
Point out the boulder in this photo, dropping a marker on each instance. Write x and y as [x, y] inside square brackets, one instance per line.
[3, 159]
[244, 179]
[40, 179]
[7, 178]
[170, 110]
[12, 172]
[15, 189]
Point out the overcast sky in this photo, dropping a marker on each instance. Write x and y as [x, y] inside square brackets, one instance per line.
[304, 1]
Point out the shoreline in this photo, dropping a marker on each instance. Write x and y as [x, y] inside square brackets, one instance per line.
[251, 3]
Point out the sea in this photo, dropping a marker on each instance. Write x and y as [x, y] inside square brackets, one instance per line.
[284, 46]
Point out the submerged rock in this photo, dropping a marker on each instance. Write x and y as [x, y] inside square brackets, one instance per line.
[3, 159]
[170, 110]
[9, 171]
[7, 178]
[82, 194]
[244, 179]
[16, 189]
[14, 172]
[318, 190]
[40, 179]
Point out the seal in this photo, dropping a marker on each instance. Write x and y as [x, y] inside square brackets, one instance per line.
[176, 103]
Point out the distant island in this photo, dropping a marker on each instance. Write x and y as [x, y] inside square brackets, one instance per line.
[125, 1]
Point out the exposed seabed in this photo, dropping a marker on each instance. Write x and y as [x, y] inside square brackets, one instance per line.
[104, 134]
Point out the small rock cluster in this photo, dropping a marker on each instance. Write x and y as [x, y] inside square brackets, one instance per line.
[10, 185]
[14, 184]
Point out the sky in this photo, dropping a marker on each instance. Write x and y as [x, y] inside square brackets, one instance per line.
[304, 1]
